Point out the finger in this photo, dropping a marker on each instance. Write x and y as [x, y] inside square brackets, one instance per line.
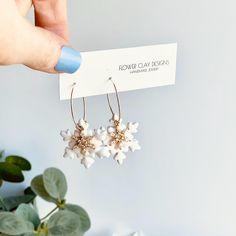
[23, 6]
[43, 50]
[52, 15]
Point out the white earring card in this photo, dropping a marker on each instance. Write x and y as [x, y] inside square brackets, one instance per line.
[130, 69]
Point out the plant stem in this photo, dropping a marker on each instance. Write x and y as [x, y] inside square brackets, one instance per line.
[45, 217]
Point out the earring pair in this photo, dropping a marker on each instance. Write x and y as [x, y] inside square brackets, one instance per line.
[114, 140]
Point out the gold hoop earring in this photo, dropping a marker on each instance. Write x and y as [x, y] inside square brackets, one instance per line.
[120, 136]
[72, 107]
[84, 143]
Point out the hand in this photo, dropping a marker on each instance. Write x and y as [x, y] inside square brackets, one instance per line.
[41, 47]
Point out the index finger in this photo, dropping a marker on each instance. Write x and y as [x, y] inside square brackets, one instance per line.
[52, 15]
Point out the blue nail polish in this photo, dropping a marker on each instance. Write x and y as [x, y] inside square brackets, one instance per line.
[69, 61]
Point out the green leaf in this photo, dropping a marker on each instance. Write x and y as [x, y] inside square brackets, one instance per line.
[19, 161]
[10, 173]
[13, 225]
[37, 186]
[29, 190]
[1, 183]
[26, 212]
[11, 203]
[63, 223]
[83, 215]
[55, 183]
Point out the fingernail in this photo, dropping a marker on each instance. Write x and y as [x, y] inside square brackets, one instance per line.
[69, 61]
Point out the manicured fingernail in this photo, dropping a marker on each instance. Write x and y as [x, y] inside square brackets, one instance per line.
[69, 61]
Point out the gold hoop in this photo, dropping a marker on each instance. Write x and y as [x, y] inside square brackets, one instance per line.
[117, 99]
[72, 107]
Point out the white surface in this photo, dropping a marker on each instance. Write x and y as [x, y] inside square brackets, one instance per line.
[129, 68]
[183, 181]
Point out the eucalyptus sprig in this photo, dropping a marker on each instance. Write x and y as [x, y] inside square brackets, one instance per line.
[65, 219]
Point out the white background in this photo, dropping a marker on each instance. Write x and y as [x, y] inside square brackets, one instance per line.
[183, 181]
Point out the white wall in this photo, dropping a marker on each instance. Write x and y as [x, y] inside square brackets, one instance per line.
[183, 181]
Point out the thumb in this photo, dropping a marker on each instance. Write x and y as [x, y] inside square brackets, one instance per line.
[45, 51]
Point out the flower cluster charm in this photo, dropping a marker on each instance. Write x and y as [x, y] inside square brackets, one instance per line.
[87, 144]
[84, 144]
[121, 139]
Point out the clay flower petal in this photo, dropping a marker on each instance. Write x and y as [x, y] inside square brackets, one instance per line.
[87, 162]
[72, 143]
[129, 135]
[119, 157]
[88, 153]
[96, 142]
[101, 133]
[103, 152]
[83, 123]
[69, 153]
[66, 134]
[87, 132]
[110, 129]
[133, 127]
[122, 126]
[124, 147]
[113, 150]
[134, 145]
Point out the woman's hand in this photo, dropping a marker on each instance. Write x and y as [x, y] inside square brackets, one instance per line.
[41, 47]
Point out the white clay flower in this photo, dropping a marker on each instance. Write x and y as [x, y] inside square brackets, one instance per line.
[85, 144]
[120, 138]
